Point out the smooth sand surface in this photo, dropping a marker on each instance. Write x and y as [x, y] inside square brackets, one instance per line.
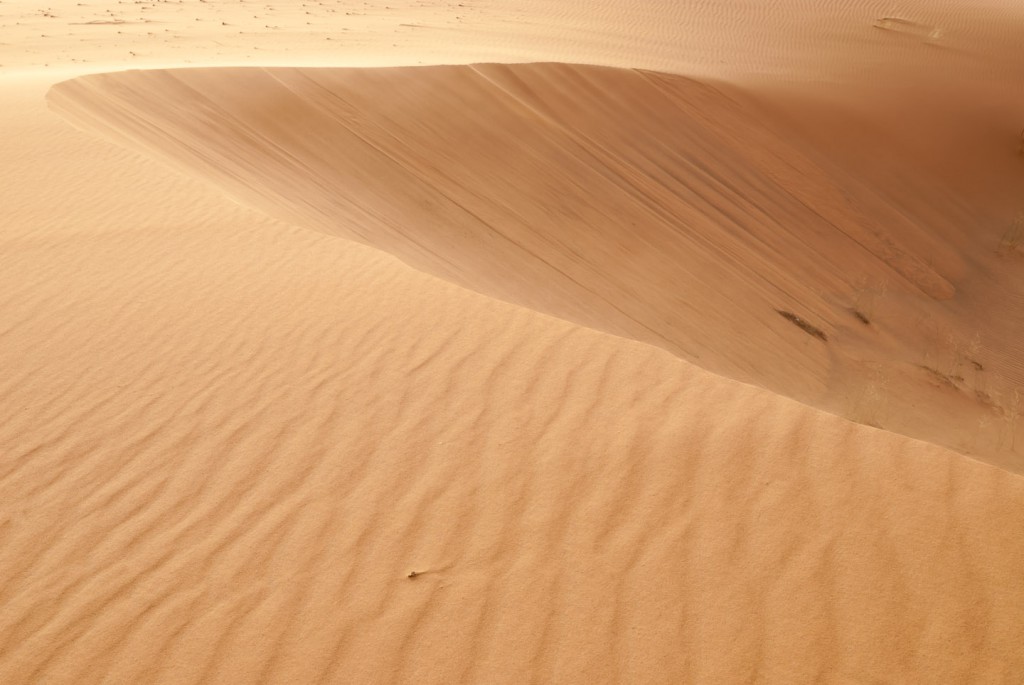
[229, 439]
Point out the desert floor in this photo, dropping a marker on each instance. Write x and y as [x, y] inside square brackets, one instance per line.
[660, 342]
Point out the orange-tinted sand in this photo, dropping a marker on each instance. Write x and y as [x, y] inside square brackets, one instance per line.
[649, 206]
[229, 439]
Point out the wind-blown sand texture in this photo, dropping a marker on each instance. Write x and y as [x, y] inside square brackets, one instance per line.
[229, 439]
[626, 201]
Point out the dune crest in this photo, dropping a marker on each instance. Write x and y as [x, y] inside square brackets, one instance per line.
[234, 439]
[655, 207]
[236, 450]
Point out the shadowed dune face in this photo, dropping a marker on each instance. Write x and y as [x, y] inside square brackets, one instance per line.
[231, 440]
[228, 440]
[650, 206]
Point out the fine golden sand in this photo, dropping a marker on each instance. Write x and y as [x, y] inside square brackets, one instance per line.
[649, 206]
[229, 440]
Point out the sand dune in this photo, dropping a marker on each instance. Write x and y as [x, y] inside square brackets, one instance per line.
[228, 439]
[645, 205]
[235, 439]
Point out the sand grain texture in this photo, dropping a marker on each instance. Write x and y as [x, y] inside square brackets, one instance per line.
[228, 439]
[653, 207]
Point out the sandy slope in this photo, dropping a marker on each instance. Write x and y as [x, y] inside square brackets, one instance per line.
[228, 440]
[233, 439]
[645, 205]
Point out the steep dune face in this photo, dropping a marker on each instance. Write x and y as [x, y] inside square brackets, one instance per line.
[230, 440]
[749, 234]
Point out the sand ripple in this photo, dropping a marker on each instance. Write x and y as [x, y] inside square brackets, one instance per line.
[228, 441]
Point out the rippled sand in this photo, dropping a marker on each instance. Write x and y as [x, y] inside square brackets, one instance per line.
[229, 440]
